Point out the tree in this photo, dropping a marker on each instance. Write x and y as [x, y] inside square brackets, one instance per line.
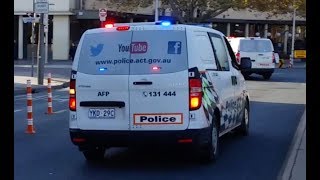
[183, 10]
[195, 11]
[205, 10]
[273, 6]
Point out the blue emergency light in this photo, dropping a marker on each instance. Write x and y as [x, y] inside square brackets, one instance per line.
[166, 23]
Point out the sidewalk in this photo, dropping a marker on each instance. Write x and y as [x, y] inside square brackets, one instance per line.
[294, 167]
[58, 80]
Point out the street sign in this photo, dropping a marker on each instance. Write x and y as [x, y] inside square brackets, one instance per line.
[41, 6]
[102, 14]
[30, 19]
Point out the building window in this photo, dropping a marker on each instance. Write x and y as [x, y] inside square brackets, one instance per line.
[237, 29]
[222, 27]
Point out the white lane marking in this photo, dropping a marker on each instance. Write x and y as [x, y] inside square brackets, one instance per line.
[58, 98]
[61, 111]
[23, 95]
[33, 97]
[17, 110]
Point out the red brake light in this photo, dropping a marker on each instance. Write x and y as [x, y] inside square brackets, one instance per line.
[238, 57]
[195, 94]
[123, 28]
[72, 95]
[108, 26]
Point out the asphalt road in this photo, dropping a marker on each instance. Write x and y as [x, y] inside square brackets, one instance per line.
[276, 108]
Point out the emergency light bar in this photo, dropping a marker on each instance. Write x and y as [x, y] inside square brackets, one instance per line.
[164, 23]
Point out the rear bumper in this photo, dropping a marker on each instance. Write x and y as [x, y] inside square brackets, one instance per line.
[92, 138]
[258, 70]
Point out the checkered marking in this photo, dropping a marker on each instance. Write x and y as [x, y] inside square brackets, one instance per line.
[232, 112]
[210, 97]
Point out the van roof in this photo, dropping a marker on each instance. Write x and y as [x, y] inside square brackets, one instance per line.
[150, 26]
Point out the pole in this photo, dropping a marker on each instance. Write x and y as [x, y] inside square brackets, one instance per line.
[285, 46]
[46, 17]
[32, 46]
[49, 95]
[30, 127]
[156, 12]
[293, 34]
[41, 52]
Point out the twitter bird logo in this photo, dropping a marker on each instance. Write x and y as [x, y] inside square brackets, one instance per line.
[95, 51]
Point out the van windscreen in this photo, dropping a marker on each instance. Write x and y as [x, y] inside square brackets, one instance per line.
[133, 52]
[255, 45]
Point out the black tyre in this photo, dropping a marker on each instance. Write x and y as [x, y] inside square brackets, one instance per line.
[209, 151]
[94, 155]
[267, 76]
[243, 129]
[246, 75]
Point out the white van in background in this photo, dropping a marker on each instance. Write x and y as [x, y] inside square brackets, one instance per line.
[155, 84]
[259, 50]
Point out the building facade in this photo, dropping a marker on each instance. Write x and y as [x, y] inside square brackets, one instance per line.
[58, 35]
[251, 23]
[68, 19]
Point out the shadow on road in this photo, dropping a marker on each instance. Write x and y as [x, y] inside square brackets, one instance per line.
[282, 75]
[257, 156]
[264, 149]
[160, 157]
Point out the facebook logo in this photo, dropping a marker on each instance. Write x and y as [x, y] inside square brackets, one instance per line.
[174, 47]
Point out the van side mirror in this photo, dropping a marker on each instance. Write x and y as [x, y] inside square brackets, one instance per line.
[245, 63]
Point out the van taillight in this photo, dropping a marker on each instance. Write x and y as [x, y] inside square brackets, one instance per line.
[195, 94]
[238, 57]
[72, 95]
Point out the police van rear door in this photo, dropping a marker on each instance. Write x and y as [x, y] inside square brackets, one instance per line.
[102, 91]
[158, 81]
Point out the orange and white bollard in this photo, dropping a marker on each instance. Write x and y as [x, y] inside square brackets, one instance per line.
[30, 128]
[49, 95]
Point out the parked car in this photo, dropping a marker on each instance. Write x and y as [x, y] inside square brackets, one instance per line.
[160, 84]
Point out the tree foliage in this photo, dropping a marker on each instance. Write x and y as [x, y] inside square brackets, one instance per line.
[185, 10]
[273, 6]
[196, 10]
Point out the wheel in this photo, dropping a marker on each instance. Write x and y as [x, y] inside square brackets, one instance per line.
[267, 76]
[94, 155]
[243, 129]
[246, 75]
[209, 151]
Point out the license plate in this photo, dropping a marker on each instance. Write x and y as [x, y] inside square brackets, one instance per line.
[107, 113]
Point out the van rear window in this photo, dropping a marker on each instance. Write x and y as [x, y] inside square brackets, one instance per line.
[256, 45]
[133, 52]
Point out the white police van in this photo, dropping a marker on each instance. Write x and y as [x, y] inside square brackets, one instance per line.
[259, 50]
[135, 84]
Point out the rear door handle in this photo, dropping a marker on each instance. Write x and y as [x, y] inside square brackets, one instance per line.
[119, 104]
[142, 83]
[234, 80]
